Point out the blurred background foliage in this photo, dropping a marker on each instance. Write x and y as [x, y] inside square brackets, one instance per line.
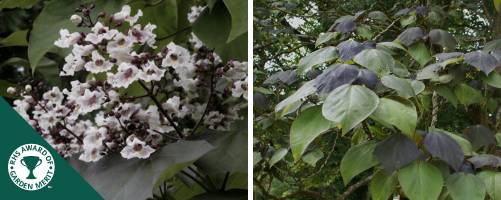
[284, 32]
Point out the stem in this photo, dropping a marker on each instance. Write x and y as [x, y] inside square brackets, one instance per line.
[208, 101]
[385, 30]
[161, 109]
[196, 180]
[435, 102]
[223, 187]
[354, 187]
[175, 33]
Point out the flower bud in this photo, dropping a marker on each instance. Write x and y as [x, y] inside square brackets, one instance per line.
[76, 19]
[11, 90]
[27, 88]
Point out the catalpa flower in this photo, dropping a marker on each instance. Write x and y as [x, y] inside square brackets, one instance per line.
[67, 39]
[136, 149]
[98, 64]
[127, 73]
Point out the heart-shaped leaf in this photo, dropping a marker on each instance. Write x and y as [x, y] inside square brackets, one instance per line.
[444, 147]
[306, 127]
[356, 160]
[420, 53]
[348, 49]
[421, 181]
[396, 151]
[467, 95]
[442, 38]
[410, 35]
[479, 136]
[382, 185]
[398, 112]
[483, 160]
[375, 60]
[305, 90]
[317, 57]
[348, 105]
[482, 61]
[462, 186]
[335, 76]
[492, 181]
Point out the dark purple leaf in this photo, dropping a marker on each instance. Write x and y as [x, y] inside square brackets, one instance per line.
[260, 101]
[467, 168]
[410, 36]
[442, 38]
[479, 136]
[346, 26]
[446, 56]
[421, 10]
[484, 160]
[396, 151]
[497, 54]
[348, 49]
[482, 61]
[335, 76]
[445, 148]
[367, 78]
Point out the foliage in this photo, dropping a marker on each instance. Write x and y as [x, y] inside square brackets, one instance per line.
[410, 103]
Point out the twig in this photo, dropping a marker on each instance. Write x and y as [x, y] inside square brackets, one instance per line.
[175, 33]
[385, 30]
[354, 187]
[209, 100]
[161, 109]
[196, 180]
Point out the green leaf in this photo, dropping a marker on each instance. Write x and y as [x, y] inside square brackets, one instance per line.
[365, 31]
[348, 105]
[382, 185]
[375, 60]
[256, 158]
[421, 181]
[317, 57]
[356, 160]
[404, 87]
[467, 95]
[494, 80]
[448, 94]
[214, 27]
[17, 4]
[278, 155]
[442, 38]
[326, 37]
[113, 176]
[229, 154]
[420, 53]
[498, 139]
[306, 127]
[305, 90]
[398, 112]
[462, 186]
[17, 38]
[55, 16]
[497, 3]
[492, 182]
[238, 12]
[313, 157]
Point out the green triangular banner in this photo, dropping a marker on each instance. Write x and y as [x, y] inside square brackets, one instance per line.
[18, 136]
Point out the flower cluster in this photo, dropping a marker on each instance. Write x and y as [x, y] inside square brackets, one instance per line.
[181, 89]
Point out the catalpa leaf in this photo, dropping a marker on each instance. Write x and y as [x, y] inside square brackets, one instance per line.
[348, 49]
[356, 160]
[484, 160]
[402, 86]
[396, 151]
[462, 186]
[492, 181]
[421, 181]
[445, 148]
[287, 77]
[367, 78]
[346, 26]
[398, 112]
[306, 127]
[378, 15]
[479, 136]
[305, 90]
[317, 57]
[375, 60]
[382, 185]
[442, 38]
[482, 61]
[335, 76]
[441, 57]
[411, 36]
[348, 105]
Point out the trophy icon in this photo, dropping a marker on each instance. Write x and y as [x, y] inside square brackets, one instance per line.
[31, 162]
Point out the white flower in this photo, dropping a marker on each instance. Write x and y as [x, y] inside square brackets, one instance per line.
[136, 149]
[100, 33]
[151, 72]
[213, 119]
[238, 71]
[91, 155]
[90, 101]
[127, 73]
[176, 56]
[28, 88]
[82, 50]
[124, 15]
[67, 39]
[197, 43]
[94, 137]
[72, 65]
[143, 35]
[11, 90]
[98, 64]
[22, 107]
[239, 89]
[120, 48]
[195, 13]
[188, 84]
[77, 90]
[76, 19]
[54, 96]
